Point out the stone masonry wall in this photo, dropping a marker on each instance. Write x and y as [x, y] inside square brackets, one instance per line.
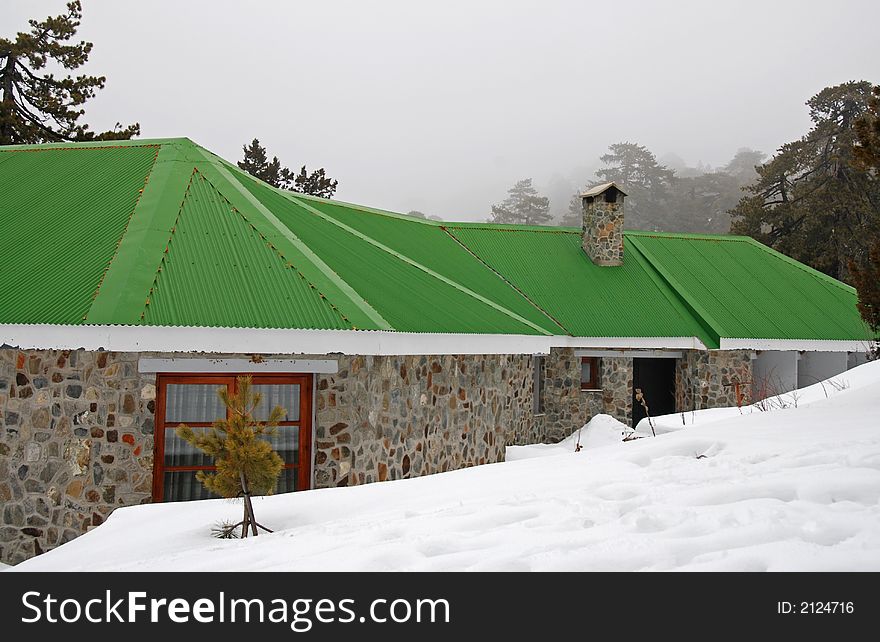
[713, 379]
[394, 417]
[76, 427]
[567, 407]
[602, 231]
[76, 441]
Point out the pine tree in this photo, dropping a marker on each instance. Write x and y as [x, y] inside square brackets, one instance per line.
[523, 206]
[646, 182]
[246, 463]
[866, 279]
[866, 151]
[256, 163]
[36, 106]
[317, 183]
[810, 201]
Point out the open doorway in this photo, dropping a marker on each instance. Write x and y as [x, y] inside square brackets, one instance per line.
[656, 379]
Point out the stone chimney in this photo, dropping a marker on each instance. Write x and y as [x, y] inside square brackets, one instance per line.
[602, 229]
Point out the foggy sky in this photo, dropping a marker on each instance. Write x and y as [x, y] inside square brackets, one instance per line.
[442, 106]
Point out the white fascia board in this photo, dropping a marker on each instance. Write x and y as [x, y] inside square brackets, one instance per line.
[806, 345]
[186, 364]
[281, 341]
[642, 354]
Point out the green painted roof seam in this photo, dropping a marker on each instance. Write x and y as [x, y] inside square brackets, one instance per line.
[700, 312]
[416, 264]
[128, 282]
[167, 246]
[356, 299]
[125, 229]
[96, 144]
[509, 283]
[508, 227]
[287, 263]
[277, 251]
[707, 337]
[9, 149]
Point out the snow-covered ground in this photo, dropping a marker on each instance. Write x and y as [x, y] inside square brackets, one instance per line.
[790, 489]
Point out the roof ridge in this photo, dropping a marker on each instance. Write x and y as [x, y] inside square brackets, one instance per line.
[698, 310]
[287, 262]
[95, 144]
[370, 314]
[124, 232]
[123, 291]
[416, 264]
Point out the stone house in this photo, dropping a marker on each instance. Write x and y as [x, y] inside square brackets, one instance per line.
[137, 277]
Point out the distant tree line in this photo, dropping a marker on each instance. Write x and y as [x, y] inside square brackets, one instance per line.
[657, 198]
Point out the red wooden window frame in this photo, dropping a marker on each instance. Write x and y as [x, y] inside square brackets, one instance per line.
[303, 466]
[593, 382]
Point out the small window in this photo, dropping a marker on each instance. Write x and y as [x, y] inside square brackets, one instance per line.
[538, 385]
[589, 373]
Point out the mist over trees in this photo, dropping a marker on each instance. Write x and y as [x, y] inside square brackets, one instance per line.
[661, 198]
[36, 106]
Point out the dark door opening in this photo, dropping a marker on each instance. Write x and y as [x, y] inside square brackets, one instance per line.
[656, 379]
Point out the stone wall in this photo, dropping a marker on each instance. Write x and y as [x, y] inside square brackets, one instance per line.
[602, 230]
[76, 427]
[77, 430]
[713, 379]
[567, 407]
[76, 442]
[386, 417]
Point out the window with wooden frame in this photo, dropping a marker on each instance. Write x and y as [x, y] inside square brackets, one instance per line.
[192, 399]
[590, 373]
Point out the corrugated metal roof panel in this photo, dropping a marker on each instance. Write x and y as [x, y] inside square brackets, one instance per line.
[409, 298]
[749, 291]
[219, 271]
[63, 211]
[430, 245]
[591, 301]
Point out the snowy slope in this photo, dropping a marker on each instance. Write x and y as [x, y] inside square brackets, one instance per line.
[792, 489]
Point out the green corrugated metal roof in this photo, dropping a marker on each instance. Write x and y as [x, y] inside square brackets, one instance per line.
[549, 267]
[163, 233]
[62, 214]
[218, 269]
[745, 289]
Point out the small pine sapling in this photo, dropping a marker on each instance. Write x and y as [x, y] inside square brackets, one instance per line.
[246, 463]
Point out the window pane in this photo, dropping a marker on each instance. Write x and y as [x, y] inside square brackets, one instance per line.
[586, 371]
[182, 486]
[538, 385]
[287, 480]
[285, 442]
[193, 402]
[285, 395]
[181, 453]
